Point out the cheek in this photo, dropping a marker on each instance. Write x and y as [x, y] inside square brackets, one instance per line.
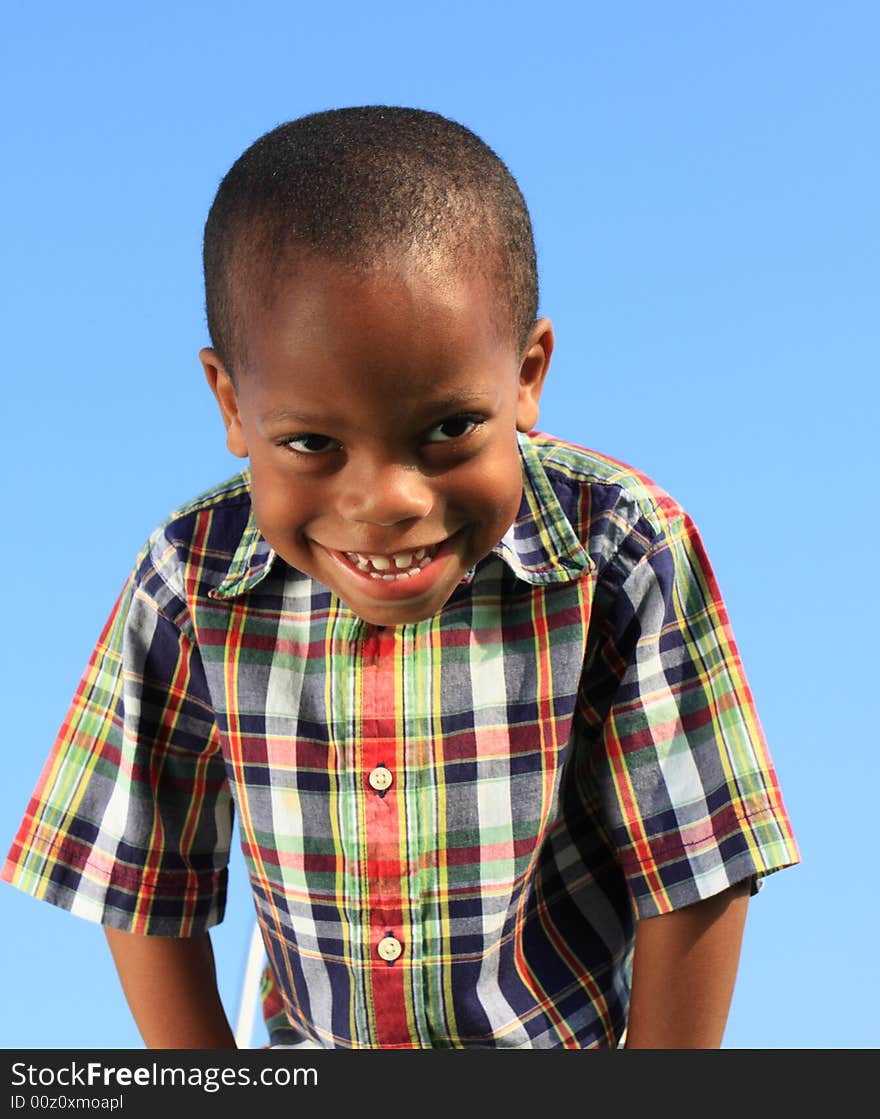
[281, 506]
[492, 488]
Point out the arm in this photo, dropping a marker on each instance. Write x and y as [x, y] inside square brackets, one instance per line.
[171, 988]
[684, 970]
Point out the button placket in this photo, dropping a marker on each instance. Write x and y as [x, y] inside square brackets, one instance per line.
[384, 881]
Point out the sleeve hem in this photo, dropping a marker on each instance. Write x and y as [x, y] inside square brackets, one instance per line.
[659, 885]
[185, 913]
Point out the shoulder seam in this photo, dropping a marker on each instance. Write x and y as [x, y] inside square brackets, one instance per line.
[660, 509]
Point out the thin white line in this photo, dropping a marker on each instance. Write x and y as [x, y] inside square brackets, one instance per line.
[247, 1007]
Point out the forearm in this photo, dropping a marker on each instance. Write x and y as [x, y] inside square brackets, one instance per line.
[171, 988]
[684, 971]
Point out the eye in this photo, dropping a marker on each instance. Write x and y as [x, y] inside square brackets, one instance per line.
[453, 428]
[311, 444]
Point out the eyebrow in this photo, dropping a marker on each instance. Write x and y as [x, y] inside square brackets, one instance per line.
[455, 400]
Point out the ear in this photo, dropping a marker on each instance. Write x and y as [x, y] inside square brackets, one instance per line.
[533, 369]
[224, 391]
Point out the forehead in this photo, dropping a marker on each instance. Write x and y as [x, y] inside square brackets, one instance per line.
[402, 326]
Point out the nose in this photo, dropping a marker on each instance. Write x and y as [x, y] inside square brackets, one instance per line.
[384, 493]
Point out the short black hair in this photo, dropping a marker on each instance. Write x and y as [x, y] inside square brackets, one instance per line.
[357, 185]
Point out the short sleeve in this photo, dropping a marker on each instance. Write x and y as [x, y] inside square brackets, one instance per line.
[130, 822]
[686, 788]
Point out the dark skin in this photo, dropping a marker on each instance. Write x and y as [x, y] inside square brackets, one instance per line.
[379, 414]
[171, 988]
[684, 971]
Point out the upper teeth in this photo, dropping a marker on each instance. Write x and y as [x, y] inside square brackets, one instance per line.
[401, 560]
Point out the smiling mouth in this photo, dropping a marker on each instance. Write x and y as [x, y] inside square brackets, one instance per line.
[394, 566]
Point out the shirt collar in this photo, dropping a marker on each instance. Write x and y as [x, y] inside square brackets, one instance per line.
[540, 547]
[252, 559]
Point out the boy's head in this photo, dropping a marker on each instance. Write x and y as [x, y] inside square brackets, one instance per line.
[364, 186]
[371, 293]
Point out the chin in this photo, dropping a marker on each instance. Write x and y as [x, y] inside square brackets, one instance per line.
[398, 615]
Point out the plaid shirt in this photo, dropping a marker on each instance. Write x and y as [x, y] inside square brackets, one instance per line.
[449, 826]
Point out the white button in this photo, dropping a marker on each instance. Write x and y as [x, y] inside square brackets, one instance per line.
[389, 948]
[381, 778]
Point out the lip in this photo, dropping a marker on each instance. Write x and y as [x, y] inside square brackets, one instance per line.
[395, 590]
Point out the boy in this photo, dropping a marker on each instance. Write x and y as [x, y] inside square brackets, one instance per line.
[472, 691]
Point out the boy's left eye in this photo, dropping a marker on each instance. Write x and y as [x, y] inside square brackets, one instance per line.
[453, 428]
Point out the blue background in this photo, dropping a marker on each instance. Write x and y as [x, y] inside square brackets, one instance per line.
[703, 180]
